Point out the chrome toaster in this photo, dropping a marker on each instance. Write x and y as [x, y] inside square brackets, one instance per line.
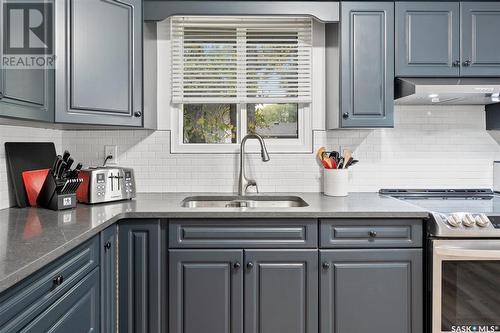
[105, 184]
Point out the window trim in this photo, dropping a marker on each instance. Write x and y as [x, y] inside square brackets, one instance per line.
[303, 144]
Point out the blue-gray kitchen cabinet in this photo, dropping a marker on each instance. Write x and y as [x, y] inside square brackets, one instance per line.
[480, 28]
[367, 64]
[371, 290]
[76, 311]
[109, 260]
[24, 93]
[52, 295]
[206, 291]
[427, 39]
[140, 280]
[234, 290]
[99, 69]
[281, 291]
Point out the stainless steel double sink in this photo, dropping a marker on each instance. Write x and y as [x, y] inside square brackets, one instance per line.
[249, 201]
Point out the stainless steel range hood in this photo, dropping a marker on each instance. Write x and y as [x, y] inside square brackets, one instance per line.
[454, 91]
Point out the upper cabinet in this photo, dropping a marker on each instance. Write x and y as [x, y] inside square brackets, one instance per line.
[480, 28]
[25, 92]
[447, 39]
[367, 64]
[99, 68]
[427, 38]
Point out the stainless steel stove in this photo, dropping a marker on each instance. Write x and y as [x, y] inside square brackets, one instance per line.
[464, 257]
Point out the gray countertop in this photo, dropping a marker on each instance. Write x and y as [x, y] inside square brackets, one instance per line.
[30, 238]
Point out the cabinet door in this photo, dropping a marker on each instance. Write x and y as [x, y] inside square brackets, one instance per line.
[109, 266]
[427, 39]
[367, 59]
[480, 28]
[281, 291]
[139, 271]
[75, 311]
[375, 291]
[206, 291]
[99, 69]
[24, 93]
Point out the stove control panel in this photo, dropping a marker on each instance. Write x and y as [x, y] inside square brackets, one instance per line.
[466, 220]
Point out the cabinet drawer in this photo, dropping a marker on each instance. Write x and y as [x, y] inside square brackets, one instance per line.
[243, 233]
[371, 233]
[23, 302]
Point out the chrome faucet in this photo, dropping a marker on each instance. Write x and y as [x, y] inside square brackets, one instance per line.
[244, 182]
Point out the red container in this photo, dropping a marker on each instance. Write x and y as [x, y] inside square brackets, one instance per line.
[33, 181]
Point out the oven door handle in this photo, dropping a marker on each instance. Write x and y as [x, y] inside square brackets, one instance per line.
[471, 254]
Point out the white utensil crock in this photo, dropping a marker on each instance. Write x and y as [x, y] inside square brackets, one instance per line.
[336, 182]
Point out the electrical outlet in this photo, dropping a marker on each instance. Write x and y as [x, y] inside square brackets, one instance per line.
[113, 152]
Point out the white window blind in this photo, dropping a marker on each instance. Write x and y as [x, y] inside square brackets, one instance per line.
[241, 59]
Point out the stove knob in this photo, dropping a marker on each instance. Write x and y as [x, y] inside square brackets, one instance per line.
[468, 220]
[453, 221]
[482, 220]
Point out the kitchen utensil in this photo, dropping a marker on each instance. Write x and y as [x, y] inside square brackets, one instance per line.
[347, 155]
[335, 155]
[27, 156]
[66, 156]
[348, 163]
[33, 181]
[321, 153]
[61, 169]
[341, 163]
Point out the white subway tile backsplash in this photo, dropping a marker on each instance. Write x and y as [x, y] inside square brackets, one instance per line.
[442, 146]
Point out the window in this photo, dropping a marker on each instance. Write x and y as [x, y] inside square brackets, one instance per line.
[237, 75]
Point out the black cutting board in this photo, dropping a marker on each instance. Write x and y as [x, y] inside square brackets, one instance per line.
[26, 156]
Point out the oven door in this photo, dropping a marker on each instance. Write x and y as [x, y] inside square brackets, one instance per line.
[465, 286]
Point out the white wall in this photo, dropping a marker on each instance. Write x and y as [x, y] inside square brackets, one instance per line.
[429, 147]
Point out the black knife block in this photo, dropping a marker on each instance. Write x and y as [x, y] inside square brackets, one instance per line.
[50, 198]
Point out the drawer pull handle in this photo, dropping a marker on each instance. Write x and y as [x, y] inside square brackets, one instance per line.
[326, 265]
[58, 280]
[236, 265]
[249, 265]
[372, 234]
[107, 246]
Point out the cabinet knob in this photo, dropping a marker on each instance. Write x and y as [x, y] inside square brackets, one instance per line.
[345, 115]
[456, 63]
[236, 265]
[58, 280]
[326, 265]
[466, 63]
[107, 245]
[137, 114]
[372, 233]
[249, 265]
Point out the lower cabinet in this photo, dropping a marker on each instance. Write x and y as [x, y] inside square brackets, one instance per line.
[108, 279]
[206, 291]
[76, 311]
[376, 290]
[278, 288]
[140, 276]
